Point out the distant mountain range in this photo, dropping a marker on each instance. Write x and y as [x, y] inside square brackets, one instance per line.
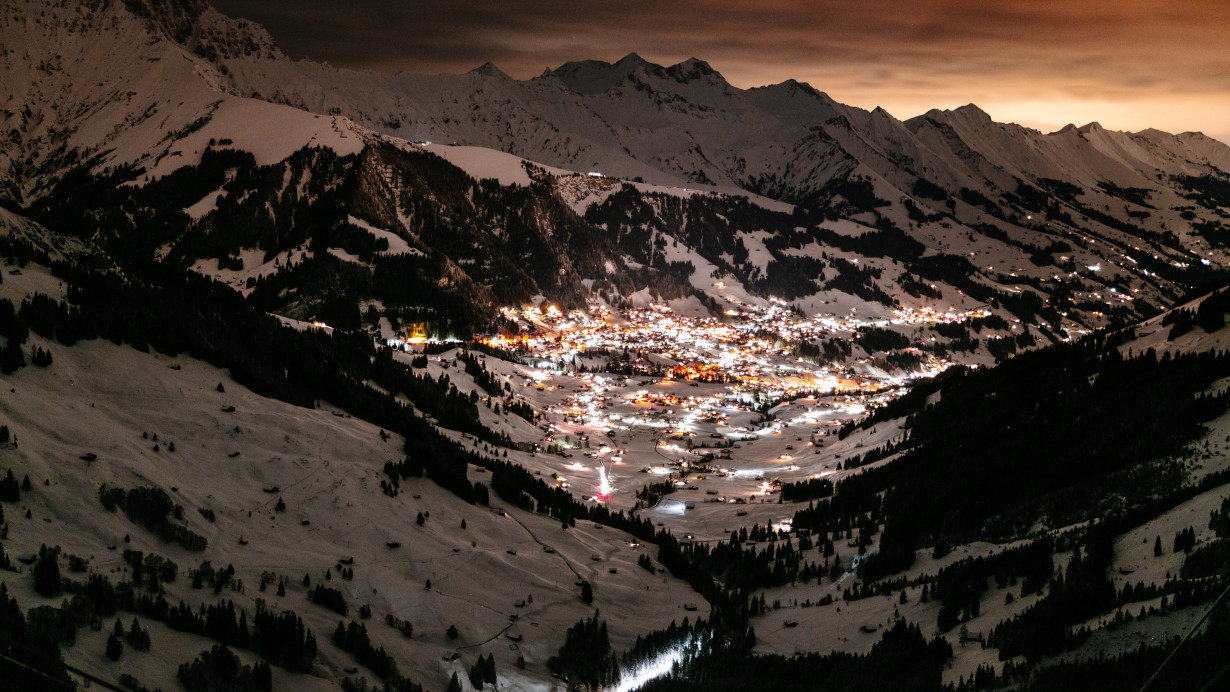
[1070, 230]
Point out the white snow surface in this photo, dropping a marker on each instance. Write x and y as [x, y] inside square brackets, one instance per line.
[207, 204]
[271, 132]
[397, 244]
[483, 163]
[101, 398]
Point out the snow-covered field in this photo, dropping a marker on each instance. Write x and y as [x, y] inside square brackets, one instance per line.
[111, 401]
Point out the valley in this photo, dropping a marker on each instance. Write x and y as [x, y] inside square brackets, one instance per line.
[620, 377]
[693, 405]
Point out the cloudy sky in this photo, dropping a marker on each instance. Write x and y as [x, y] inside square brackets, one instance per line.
[1128, 64]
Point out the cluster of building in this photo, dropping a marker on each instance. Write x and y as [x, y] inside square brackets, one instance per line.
[753, 352]
[698, 386]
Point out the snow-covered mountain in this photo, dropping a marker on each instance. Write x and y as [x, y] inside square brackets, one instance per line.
[949, 200]
[630, 118]
[173, 182]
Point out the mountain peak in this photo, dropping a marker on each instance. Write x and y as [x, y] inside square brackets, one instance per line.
[597, 76]
[793, 87]
[967, 115]
[970, 110]
[630, 60]
[693, 69]
[488, 69]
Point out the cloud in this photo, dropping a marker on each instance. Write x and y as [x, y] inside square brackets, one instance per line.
[866, 53]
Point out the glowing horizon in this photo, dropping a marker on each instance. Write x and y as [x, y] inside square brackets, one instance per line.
[1042, 64]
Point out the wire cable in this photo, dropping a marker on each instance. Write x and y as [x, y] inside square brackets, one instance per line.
[1184, 641]
[36, 671]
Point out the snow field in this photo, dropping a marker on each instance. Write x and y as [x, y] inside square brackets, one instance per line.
[99, 398]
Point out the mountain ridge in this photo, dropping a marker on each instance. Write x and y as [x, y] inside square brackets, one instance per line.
[243, 52]
[947, 185]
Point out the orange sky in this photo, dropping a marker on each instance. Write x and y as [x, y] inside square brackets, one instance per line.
[1129, 64]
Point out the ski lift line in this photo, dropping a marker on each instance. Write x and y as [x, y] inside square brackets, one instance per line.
[1184, 641]
[70, 669]
[42, 674]
[1217, 677]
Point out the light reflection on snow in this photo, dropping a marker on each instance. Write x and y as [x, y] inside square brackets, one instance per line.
[654, 668]
[672, 507]
[604, 484]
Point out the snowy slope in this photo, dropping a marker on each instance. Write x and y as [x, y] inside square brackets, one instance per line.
[120, 404]
[92, 81]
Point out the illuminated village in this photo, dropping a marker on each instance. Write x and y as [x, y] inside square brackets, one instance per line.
[693, 418]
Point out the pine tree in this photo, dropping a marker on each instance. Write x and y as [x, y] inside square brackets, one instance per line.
[1157, 546]
[47, 572]
[476, 675]
[488, 669]
[114, 648]
[11, 359]
[10, 491]
[138, 638]
[41, 357]
[262, 675]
